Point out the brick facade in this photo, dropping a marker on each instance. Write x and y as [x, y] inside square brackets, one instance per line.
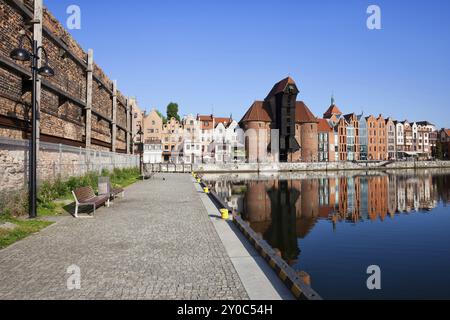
[64, 105]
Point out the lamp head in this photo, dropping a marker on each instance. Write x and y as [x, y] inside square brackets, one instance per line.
[20, 54]
[46, 71]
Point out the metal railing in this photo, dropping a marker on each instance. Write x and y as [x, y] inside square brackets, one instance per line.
[55, 161]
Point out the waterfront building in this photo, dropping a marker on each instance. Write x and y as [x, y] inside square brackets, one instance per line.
[399, 139]
[152, 126]
[153, 151]
[228, 142]
[352, 132]
[377, 145]
[344, 133]
[425, 130]
[444, 137]
[408, 138]
[172, 140]
[326, 141]
[192, 144]
[390, 139]
[363, 139]
[208, 133]
[137, 123]
[297, 127]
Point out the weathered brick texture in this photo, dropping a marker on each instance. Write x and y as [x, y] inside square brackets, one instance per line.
[62, 115]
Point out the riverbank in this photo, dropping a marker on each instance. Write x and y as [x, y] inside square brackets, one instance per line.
[157, 243]
[323, 166]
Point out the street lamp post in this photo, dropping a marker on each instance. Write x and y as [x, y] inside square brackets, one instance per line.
[21, 54]
[141, 151]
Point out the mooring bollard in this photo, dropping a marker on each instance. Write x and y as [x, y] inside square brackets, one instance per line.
[278, 252]
[305, 277]
[206, 190]
[199, 180]
[225, 214]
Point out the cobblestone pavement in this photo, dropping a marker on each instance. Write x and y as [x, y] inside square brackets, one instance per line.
[157, 243]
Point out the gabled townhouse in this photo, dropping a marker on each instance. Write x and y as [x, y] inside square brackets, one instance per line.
[444, 137]
[338, 123]
[192, 145]
[377, 145]
[228, 142]
[399, 139]
[172, 140]
[152, 136]
[363, 138]
[352, 132]
[326, 141]
[391, 139]
[425, 130]
[408, 137]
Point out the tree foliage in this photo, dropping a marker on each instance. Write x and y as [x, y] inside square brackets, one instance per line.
[172, 111]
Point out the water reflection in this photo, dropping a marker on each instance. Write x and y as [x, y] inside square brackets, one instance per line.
[285, 210]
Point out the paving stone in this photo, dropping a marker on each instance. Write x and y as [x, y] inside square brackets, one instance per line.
[157, 243]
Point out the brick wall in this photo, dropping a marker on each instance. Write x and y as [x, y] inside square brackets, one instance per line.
[64, 99]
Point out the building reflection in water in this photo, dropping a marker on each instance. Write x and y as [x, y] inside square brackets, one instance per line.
[284, 211]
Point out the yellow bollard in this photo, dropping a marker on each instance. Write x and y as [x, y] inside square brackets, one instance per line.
[199, 180]
[225, 214]
[206, 190]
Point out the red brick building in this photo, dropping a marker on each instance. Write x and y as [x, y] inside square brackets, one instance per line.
[297, 127]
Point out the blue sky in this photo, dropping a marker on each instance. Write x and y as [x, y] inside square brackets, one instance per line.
[222, 55]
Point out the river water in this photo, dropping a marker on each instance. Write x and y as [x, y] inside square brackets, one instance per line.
[334, 226]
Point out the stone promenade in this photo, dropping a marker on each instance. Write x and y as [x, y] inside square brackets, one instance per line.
[157, 243]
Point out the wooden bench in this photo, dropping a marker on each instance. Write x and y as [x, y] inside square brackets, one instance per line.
[86, 197]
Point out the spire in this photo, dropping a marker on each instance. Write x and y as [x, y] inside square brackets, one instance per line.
[332, 99]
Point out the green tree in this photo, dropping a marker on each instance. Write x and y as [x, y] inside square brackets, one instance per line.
[172, 111]
[438, 151]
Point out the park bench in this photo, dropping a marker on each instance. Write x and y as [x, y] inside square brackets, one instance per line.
[85, 196]
[105, 188]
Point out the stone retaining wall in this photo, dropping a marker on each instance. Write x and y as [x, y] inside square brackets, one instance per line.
[55, 161]
[331, 166]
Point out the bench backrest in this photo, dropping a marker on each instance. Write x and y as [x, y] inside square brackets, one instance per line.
[104, 186]
[84, 193]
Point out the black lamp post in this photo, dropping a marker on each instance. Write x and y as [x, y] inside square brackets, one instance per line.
[141, 150]
[22, 54]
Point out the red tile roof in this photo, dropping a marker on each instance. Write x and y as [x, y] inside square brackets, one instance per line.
[257, 112]
[324, 126]
[223, 120]
[303, 114]
[332, 110]
[447, 131]
[280, 87]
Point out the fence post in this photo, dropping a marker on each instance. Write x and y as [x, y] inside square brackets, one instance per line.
[79, 161]
[60, 161]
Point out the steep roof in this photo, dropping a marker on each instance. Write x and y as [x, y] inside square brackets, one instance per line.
[324, 126]
[257, 112]
[280, 87]
[425, 123]
[303, 114]
[205, 118]
[332, 110]
[225, 121]
[350, 116]
[447, 131]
